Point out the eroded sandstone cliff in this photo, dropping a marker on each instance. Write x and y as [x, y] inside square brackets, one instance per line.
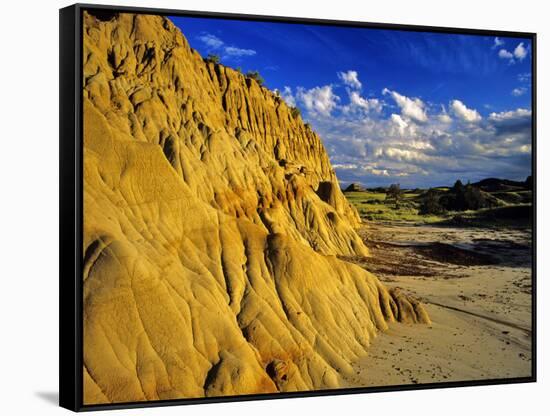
[212, 225]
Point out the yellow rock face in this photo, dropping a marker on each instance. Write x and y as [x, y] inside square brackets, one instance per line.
[212, 222]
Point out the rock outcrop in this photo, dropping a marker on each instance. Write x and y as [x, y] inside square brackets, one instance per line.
[354, 187]
[212, 222]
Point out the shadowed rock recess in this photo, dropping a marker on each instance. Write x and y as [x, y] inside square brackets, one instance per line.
[212, 224]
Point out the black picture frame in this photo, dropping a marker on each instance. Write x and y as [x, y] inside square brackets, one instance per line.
[71, 200]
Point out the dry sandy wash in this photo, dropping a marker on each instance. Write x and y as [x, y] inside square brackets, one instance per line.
[476, 285]
[213, 226]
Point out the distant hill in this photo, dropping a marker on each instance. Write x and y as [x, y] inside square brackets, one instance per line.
[495, 184]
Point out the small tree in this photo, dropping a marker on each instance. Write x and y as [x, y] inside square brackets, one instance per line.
[394, 193]
[295, 112]
[215, 59]
[255, 75]
[458, 187]
[459, 201]
[430, 203]
[474, 198]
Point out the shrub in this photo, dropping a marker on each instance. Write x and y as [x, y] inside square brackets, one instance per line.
[430, 203]
[215, 59]
[255, 75]
[295, 112]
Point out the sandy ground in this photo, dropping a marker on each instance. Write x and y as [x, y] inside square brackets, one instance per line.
[476, 285]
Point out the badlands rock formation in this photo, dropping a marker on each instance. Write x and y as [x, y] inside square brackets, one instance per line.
[212, 225]
[355, 187]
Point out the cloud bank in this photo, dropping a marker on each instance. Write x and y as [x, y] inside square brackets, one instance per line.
[421, 144]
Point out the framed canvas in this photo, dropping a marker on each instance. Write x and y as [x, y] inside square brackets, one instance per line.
[258, 207]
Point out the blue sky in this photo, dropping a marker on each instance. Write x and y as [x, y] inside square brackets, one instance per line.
[420, 109]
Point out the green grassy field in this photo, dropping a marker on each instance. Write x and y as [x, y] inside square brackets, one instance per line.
[373, 206]
[514, 208]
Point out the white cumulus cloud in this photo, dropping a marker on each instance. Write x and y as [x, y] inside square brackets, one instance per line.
[377, 172]
[399, 123]
[504, 54]
[520, 52]
[444, 117]
[320, 100]
[413, 108]
[350, 78]
[517, 92]
[498, 42]
[367, 104]
[510, 115]
[526, 148]
[404, 154]
[286, 95]
[460, 110]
